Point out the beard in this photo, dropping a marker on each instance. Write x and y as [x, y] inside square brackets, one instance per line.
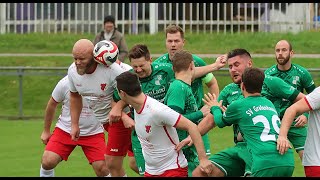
[82, 71]
[283, 61]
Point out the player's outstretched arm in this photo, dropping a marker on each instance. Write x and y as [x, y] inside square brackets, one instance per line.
[187, 125]
[297, 108]
[75, 110]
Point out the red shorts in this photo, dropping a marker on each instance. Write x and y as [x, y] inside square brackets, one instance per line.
[178, 172]
[119, 139]
[94, 146]
[312, 171]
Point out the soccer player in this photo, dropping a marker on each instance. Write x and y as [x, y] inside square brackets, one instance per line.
[96, 83]
[259, 122]
[59, 145]
[236, 161]
[311, 159]
[180, 98]
[174, 42]
[301, 79]
[155, 125]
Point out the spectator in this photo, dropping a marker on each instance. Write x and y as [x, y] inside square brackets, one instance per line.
[111, 33]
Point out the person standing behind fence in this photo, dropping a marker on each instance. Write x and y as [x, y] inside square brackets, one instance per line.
[298, 77]
[59, 145]
[111, 33]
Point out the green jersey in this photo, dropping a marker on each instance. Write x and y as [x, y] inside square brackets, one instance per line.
[196, 84]
[297, 76]
[157, 84]
[180, 98]
[259, 124]
[280, 93]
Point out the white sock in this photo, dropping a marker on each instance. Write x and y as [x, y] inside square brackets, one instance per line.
[46, 173]
[125, 175]
[109, 175]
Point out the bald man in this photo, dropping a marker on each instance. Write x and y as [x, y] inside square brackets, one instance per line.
[298, 77]
[96, 83]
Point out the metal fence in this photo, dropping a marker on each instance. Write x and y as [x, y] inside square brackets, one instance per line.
[57, 73]
[135, 18]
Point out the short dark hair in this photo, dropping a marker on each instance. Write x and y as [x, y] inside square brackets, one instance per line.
[238, 52]
[138, 51]
[109, 18]
[252, 79]
[181, 60]
[172, 29]
[129, 83]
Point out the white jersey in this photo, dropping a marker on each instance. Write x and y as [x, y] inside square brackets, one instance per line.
[125, 66]
[311, 155]
[96, 88]
[88, 124]
[155, 127]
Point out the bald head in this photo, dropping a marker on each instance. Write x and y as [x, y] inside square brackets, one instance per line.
[284, 43]
[83, 46]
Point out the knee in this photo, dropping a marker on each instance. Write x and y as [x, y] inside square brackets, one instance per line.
[114, 162]
[100, 168]
[49, 162]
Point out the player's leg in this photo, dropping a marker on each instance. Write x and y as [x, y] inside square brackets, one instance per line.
[94, 148]
[227, 163]
[119, 140]
[137, 152]
[206, 143]
[132, 161]
[297, 136]
[59, 148]
[282, 171]
[312, 171]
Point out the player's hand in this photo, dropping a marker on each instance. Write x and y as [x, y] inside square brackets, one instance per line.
[45, 136]
[221, 61]
[187, 141]
[301, 121]
[128, 122]
[114, 115]
[205, 110]
[211, 100]
[206, 166]
[283, 144]
[75, 133]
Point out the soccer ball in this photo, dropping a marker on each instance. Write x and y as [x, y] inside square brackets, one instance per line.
[105, 52]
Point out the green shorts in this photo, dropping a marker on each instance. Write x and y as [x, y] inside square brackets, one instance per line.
[137, 152]
[283, 171]
[234, 161]
[297, 136]
[206, 143]
[192, 157]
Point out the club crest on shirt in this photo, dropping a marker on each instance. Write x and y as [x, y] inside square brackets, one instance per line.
[148, 128]
[103, 86]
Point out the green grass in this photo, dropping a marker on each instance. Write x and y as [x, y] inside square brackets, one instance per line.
[21, 154]
[303, 42]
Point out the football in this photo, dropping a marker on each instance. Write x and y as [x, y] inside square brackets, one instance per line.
[105, 52]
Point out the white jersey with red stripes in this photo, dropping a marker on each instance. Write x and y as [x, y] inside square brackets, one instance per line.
[97, 88]
[311, 154]
[88, 124]
[155, 127]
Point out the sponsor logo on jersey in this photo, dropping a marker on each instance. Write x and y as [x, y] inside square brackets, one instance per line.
[234, 92]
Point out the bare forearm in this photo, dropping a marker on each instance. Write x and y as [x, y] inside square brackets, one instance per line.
[197, 140]
[203, 70]
[286, 121]
[206, 124]
[49, 115]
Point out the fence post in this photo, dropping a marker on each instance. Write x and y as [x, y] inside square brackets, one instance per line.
[153, 12]
[20, 75]
[2, 18]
